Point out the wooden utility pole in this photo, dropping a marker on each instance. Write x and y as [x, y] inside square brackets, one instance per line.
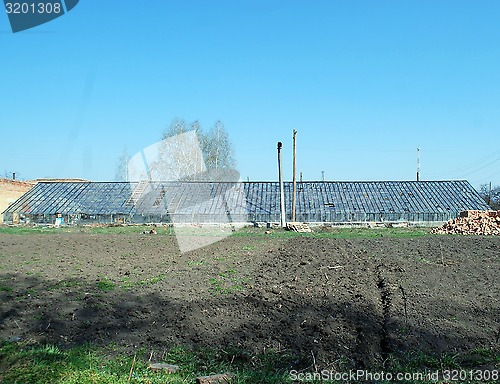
[294, 196]
[489, 195]
[418, 163]
[282, 190]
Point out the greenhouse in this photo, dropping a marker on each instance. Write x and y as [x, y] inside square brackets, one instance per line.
[221, 202]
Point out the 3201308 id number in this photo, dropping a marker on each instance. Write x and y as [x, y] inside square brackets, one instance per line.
[25, 8]
[475, 375]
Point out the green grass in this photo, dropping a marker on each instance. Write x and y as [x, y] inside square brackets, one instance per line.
[227, 282]
[195, 263]
[106, 285]
[84, 365]
[41, 364]
[421, 364]
[66, 283]
[105, 229]
[127, 284]
[249, 248]
[320, 232]
[5, 288]
[337, 233]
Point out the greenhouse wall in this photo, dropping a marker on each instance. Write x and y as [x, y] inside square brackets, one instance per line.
[80, 203]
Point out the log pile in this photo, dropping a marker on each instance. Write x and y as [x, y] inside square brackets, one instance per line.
[472, 223]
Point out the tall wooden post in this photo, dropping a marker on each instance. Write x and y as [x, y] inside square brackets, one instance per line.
[294, 196]
[489, 195]
[418, 163]
[282, 190]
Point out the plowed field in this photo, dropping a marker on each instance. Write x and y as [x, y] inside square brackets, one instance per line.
[340, 302]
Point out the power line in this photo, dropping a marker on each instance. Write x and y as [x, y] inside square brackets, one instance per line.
[469, 166]
[484, 166]
[486, 178]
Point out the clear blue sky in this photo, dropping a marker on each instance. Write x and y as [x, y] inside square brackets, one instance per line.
[363, 82]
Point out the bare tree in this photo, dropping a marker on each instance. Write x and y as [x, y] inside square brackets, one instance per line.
[121, 173]
[216, 149]
[491, 195]
[185, 152]
[218, 152]
[176, 157]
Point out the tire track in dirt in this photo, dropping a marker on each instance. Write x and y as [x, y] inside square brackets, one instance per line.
[385, 301]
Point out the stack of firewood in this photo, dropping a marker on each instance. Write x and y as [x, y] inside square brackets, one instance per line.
[472, 223]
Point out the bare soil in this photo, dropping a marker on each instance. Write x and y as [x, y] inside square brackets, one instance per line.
[336, 302]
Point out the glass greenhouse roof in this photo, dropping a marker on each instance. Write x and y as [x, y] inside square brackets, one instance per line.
[258, 201]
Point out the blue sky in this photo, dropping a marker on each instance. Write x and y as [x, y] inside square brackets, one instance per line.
[363, 82]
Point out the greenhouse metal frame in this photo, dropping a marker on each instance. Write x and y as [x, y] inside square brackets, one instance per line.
[221, 202]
